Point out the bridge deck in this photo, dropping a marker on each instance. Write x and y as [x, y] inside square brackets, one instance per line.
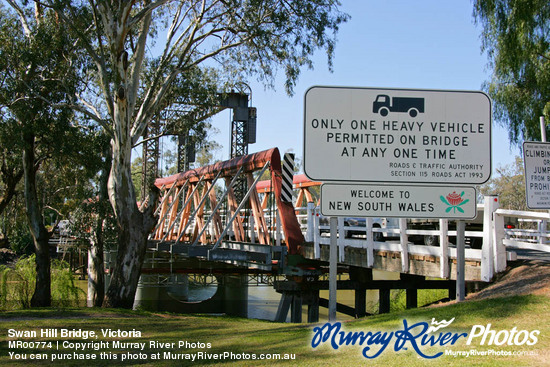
[424, 265]
[272, 258]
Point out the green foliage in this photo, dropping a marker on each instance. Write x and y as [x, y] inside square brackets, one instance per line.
[21, 241]
[65, 293]
[137, 174]
[3, 285]
[516, 37]
[23, 279]
[88, 216]
[279, 34]
[509, 185]
[41, 72]
[17, 285]
[206, 153]
[37, 71]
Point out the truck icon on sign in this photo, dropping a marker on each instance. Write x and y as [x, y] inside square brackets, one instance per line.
[384, 104]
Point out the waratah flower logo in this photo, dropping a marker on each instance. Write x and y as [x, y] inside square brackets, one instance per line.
[454, 201]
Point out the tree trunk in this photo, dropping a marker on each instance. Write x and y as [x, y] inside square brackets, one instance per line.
[96, 273]
[96, 269]
[134, 229]
[42, 291]
[42, 296]
[132, 244]
[134, 226]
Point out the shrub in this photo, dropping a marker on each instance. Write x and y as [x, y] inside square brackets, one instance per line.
[3, 286]
[17, 285]
[21, 241]
[64, 291]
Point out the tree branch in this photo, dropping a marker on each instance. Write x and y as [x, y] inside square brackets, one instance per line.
[22, 18]
[102, 68]
[138, 60]
[147, 10]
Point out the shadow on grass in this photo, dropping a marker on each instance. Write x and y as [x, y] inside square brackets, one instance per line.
[241, 336]
[469, 312]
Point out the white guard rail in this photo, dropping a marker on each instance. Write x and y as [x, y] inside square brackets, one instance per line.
[492, 255]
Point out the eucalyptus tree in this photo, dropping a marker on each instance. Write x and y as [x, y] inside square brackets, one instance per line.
[238, 38]
[516, 37]
[509, 185]
[38, 76]
[11, 170]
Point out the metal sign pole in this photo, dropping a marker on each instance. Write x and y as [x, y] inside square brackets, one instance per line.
[543, 136]
[542, 130]
[460, 261]
[333, 264]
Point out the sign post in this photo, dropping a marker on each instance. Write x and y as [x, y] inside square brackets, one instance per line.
[332, 269]
[542, 129]
[460, 261]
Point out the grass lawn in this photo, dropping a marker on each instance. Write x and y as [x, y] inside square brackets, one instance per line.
[219, 335]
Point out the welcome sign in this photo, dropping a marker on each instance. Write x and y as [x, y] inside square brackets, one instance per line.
[399, 201]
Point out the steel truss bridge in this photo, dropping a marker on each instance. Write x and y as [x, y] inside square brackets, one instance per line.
[206, 232]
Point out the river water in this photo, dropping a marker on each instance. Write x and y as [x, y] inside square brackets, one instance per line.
[263, 301]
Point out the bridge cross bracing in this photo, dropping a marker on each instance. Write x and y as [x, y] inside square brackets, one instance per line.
[200, 215]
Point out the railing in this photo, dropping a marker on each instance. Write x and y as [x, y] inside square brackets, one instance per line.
[533, 234]
[494, 238]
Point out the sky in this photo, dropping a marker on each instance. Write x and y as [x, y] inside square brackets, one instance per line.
[424, 44]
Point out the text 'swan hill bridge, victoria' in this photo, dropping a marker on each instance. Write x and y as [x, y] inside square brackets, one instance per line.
[209, 232]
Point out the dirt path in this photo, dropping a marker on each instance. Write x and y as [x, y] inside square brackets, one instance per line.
[522, 277]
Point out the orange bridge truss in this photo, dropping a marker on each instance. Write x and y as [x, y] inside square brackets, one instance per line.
[196, 210]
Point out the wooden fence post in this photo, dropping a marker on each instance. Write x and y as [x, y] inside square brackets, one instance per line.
[444, 248]
[487, 250]
[404, 239]
[316, 236]
[309, 221]
[498, 238]
[369, 243]
[542, 231]
[341, 238]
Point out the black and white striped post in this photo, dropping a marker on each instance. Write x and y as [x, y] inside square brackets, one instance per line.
[288, 176]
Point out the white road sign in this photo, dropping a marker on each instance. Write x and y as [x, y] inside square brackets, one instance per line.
[356, 200]
[536, 156]
[397, 135]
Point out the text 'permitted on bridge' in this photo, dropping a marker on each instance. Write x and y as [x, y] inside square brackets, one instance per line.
[397, 135]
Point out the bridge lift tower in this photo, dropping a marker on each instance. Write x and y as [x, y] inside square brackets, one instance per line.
[243, 133]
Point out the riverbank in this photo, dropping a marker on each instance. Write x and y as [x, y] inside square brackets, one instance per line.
[490, 330]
